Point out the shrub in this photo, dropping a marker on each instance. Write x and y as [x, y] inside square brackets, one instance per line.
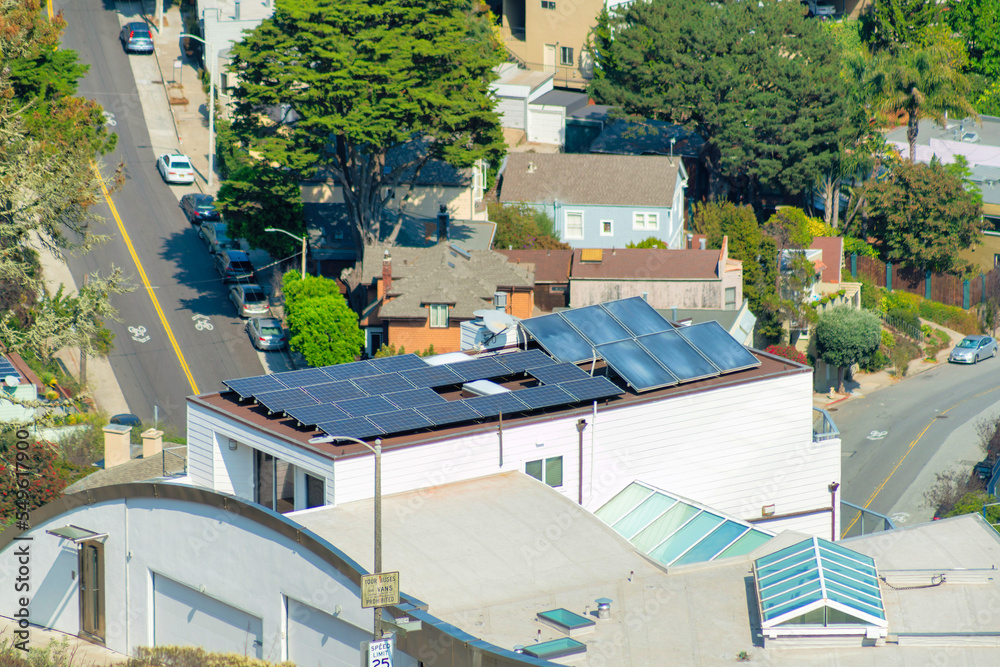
[788, 352]
[906, 316]
[869, 294]
[952, 317]
[43, 483]
[189, 656]
[875, 363]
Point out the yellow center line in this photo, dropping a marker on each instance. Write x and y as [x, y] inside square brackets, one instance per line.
[145, 282]
[48, 6]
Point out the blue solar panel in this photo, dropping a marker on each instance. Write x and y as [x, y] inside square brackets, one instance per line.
[678, 355]
[400, 421]
[544, 396]
[490, 406]
[355, 427]
[370, 405]
[591, 389]
[718, 345]
[283, 399]
[302, 378]
[350, 371]
[557, 373]
[596, 325]
[310, 415]
[335, 391]
[413, 398]
[638, 316]
[479, 369]
[7, 368]
[637, 366]
[434, 376]
[449, 412]
[382, 384]
[247, 387]
[558, 338]
[403, 362]
[522, 360]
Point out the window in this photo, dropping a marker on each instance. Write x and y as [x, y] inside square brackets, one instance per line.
[274, 482]
[646, 221]
[574, 224]
[439, 315]
[730, 298]
[566, 55]
[315, 491]
[546, 470]
[546, 4]
[606, 228]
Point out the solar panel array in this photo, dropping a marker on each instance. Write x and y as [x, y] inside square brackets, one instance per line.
[7, 368]
[638, 343]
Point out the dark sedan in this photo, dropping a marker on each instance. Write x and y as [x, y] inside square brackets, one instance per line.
[199, 209]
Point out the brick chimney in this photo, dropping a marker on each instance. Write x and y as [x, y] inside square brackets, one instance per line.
[152, 443]
[117, 445]
[386, 274]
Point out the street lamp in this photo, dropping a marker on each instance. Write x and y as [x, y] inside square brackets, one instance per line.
[377, 450]
[303, 239]
[211, 107]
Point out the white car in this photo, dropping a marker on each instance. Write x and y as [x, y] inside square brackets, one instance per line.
[175, 168]
[250, 300]
[822, 11]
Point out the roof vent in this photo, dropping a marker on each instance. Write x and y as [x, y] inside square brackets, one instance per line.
[603, 608]
[500, 301]
[531, 167]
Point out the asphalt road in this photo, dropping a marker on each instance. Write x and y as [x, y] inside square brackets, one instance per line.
[178, 267]
[896, 439]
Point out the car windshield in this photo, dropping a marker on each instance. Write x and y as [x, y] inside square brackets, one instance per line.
[270, 331]
[969, 343]
[180, 164]
[206, 208]
[253, 297]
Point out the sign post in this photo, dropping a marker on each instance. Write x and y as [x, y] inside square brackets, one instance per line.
[379, 590]
[379, 654]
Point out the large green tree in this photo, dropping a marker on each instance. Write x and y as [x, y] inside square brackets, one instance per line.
[756, 79]
[978, 24]
[324, 328]
[256, 197]
[888, 25]
[356, 79]
[846, 336]
[520, 226]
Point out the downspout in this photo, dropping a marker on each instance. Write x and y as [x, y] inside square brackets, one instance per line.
[500, 434]
[833, 510]
[580, 425]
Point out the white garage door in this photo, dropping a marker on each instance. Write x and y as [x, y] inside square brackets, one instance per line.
[545, 125]
[318, 639]
[184, 617]
[511, 112]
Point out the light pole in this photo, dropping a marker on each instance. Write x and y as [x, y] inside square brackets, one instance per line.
[211, 107]
[303, 239]
[377, 450]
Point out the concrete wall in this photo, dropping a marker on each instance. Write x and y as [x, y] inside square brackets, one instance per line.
[421, 201]
[709, 294]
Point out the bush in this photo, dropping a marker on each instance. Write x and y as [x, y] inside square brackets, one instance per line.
[45, 479]
[906, 316]
[788, 352]
[952, 317]
[875, 363]
[870, 296]
[189, 656]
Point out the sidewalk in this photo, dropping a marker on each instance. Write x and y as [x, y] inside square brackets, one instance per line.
[82, 653]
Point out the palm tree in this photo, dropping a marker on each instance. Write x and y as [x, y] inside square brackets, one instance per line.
[925, 82]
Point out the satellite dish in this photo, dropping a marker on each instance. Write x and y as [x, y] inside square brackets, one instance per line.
[11, 381]
[497, 321]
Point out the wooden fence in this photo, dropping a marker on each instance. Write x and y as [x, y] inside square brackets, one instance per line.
[941, 287]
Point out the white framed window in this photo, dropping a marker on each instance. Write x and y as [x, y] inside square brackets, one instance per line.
[646, 221]
[730, 298]
[607, 228]
[439, 315]
[549, 471]
[566, 56]
[574, 224]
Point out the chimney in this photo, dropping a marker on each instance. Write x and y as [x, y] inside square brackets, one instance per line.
[386, 274]
[690, 238]
[701, 244]
[443, 219]
[152, 443]
[237, 12]
[117, 445]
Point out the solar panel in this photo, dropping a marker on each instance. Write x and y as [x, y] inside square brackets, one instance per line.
[478, 369]
[283, 399]
[718, 345]
[638, 316]
[302, 378]
[591, 389]
[350, 371]
[7, 368]
[596, 324]
[355, 427]
[334, 391]
[382, 384]
[435, 376]
[403, 362]
[310, 415]
[522, 360]
[558, 338]
[544, 396]
[400, 420]
[369, 405]
[247, 387]
[413, 398]
[449, 412]
[490, 406]
[557, 373]
[678, 355]
[633, 363]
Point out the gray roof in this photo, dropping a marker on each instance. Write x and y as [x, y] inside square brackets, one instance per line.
[988, 129]
[137, 469]
[440, 274]
[571, 178]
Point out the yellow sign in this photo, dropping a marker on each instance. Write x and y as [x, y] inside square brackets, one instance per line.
[379, 590]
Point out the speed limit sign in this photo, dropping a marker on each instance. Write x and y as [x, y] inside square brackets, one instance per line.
[380, 654]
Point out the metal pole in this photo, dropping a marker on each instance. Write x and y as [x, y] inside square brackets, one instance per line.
[211, 117]
[378, 529]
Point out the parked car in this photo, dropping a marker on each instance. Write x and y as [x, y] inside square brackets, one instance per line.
[175, 168]
[821, 11]
[983, 470]
[199, 209]
[126, 419]
[266, 333]
[217, 238]
[250, 299]
[973, 348]
[234, 265]
[136, 38]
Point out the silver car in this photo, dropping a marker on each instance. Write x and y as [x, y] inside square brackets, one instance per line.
[249, 299]
[217, 237]
[972, 349]
[266, 333]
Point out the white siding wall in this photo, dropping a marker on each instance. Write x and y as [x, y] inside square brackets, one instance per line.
[12, 412]
[546, 124]
[511, 110]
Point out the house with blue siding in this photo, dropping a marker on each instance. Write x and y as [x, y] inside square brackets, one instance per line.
[601, 201]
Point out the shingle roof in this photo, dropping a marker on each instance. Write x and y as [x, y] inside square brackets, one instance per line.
[551, 266]
[614, 180]
[136, 470]
[442, 275]
[641, 263]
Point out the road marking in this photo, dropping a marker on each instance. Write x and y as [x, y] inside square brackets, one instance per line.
[139, 334]
[202, 323]
[877, 435]
[145, 281]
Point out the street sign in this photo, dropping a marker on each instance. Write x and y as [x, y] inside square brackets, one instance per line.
[379, 590]
[379, 654]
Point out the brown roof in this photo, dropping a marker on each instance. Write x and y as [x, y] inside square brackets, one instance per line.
[589, 178]
[641, 263]
[136, 470]
[833, 257]
[551, 266]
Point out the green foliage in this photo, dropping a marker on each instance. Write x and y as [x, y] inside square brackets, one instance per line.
[324, 328]
[792, 228]
[889, 25]
[978, 23]
[845, 336]
[875, 363]
[257, 197]
[788, 352]
[391, 351]
[923, 217]
[29, 476]
[230, 155]
[905, 315]
[520, 227]
[863, 248]
[988, 103]
[648, 243]
[900, 355]
[189, 656]
[973, 502]
[952, 317]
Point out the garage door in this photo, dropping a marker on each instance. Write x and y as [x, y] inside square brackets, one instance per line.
[183, 616]
[545, 124]
[318, 639]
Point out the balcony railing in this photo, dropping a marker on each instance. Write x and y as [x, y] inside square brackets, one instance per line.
[175, 470]
[856, 521]
[824, 427]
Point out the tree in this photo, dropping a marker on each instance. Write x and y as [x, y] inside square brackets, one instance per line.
[756, 79]
[324, 328]
[257, 197]
[36, 463]
[647, 243]
[845, 336]
[520, 226]
[978, 23]
[356, 79]
[888, 25]
[923, 216]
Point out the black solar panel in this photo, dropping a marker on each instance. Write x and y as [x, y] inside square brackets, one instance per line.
[7, 368]
[434, 376]
[596, 324]
[591, 389]
[350, 371]
[403, 362]
[522, 360]
[449, 412]
[545, 396]
[400, 420]
[719, 346]
[637, 316]
[679, 356]
[382, 384]
[370, 405]
[279, 401]
[310, 415]
[247, 387]
[479, 369]
[490, 406]
[636, 365]
[302, 378]
[335, 391]
[557, 373]
[413, 398]
[558, 338]
[355, 427]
